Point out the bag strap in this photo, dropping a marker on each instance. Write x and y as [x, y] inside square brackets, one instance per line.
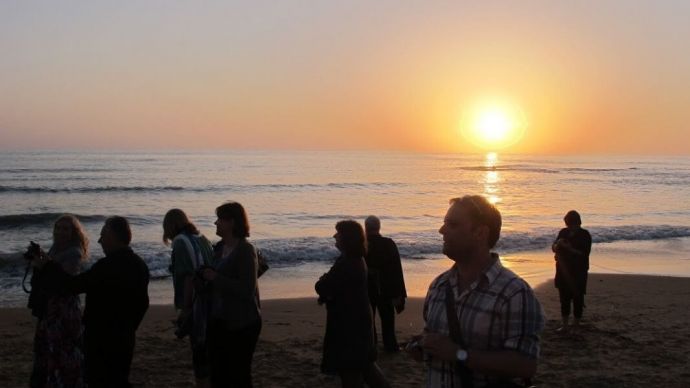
[466, 375]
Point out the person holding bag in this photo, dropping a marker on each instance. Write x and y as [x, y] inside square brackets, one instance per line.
[191, 251]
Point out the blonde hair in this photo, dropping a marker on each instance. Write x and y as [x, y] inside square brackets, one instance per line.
[175, 222]
[78, 234]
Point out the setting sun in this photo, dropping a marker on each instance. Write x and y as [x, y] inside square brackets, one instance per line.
[493, 125]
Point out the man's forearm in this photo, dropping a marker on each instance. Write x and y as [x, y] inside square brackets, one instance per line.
[502, 363]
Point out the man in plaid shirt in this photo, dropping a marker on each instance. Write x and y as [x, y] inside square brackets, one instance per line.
[482, 320]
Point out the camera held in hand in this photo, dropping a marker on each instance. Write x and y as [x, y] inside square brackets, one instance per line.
[33, 251]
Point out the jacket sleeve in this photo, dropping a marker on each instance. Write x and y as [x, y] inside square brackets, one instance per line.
[330, 283]
[397, 278]
[243, 282]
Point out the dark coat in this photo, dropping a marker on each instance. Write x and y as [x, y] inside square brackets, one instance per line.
[349, 340]
[235, 297]
[385, 270]
[571, 268]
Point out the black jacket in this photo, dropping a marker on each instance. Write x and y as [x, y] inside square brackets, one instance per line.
[116, 288]
[385, 270]
[349, 340]
[571, 268]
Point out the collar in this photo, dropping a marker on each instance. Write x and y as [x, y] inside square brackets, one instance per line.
[487, 277]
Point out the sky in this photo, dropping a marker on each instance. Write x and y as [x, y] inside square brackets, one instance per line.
[589, 77]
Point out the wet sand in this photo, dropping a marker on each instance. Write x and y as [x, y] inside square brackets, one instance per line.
[634, 334]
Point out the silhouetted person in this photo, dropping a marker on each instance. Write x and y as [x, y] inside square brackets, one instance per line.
[58, 343]
[482, 321]
[235, 322]
[348, 346]
[116, 288]
[386, 283]
[572, 248]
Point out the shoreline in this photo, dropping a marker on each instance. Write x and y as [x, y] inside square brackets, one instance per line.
[634, 334]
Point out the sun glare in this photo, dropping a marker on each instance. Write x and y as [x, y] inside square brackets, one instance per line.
[493, 126]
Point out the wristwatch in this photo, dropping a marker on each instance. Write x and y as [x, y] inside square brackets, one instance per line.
[461, 355]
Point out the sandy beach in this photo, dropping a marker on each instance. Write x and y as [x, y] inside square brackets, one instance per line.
[635, 334]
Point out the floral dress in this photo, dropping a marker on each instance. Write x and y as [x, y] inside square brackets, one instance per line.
[58, 342]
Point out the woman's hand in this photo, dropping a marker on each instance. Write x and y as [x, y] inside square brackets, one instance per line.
[40, 259]
[209, 274]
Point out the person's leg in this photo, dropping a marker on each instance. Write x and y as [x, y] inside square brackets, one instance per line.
[95, 360]
[565, 299]
[201, 367]
[247, 346]
[351, 379]
[374, 377]
[387, 314]
[219, 353]
[578, 304]
[373, 303]
[118, 358]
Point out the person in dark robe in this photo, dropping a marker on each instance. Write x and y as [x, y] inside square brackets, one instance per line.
[386, 282]
[572, 248]
[348, 347]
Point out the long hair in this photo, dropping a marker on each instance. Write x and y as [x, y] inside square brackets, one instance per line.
[353, 240]
[235, 211]
[78, 234]
[176, 222]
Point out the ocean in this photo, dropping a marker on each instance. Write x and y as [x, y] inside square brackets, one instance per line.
[637, 208]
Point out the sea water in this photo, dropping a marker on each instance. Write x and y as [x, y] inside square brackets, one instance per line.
[636, 208]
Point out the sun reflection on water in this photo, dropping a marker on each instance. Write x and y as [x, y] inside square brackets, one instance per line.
[492, 178]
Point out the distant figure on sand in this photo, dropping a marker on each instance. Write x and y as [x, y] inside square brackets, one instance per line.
[386, 283]
[482, 321]
[235, 322]
[348, 346]
[572, 248]
[116, 288]
[191, 251]
[58, 342]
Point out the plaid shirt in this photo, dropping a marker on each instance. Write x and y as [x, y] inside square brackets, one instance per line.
[497, 312]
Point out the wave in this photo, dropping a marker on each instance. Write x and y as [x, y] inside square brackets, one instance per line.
[542, 170]
[53, 170]
[47, 219]
[291, 252]
[255, 187]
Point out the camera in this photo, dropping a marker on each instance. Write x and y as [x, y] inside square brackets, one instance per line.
[32, 251]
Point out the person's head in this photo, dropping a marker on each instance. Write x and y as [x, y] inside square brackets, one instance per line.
[176, 222]
[350, 239]
[372, 225]
[572, 219]
[67, 230]
[471, 225]
[232, 221]
[115, 234]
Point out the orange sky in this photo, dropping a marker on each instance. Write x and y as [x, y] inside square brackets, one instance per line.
[614, 78]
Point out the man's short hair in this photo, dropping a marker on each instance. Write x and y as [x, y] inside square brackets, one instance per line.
[483, 213]
[119, 226]
[372, 223]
